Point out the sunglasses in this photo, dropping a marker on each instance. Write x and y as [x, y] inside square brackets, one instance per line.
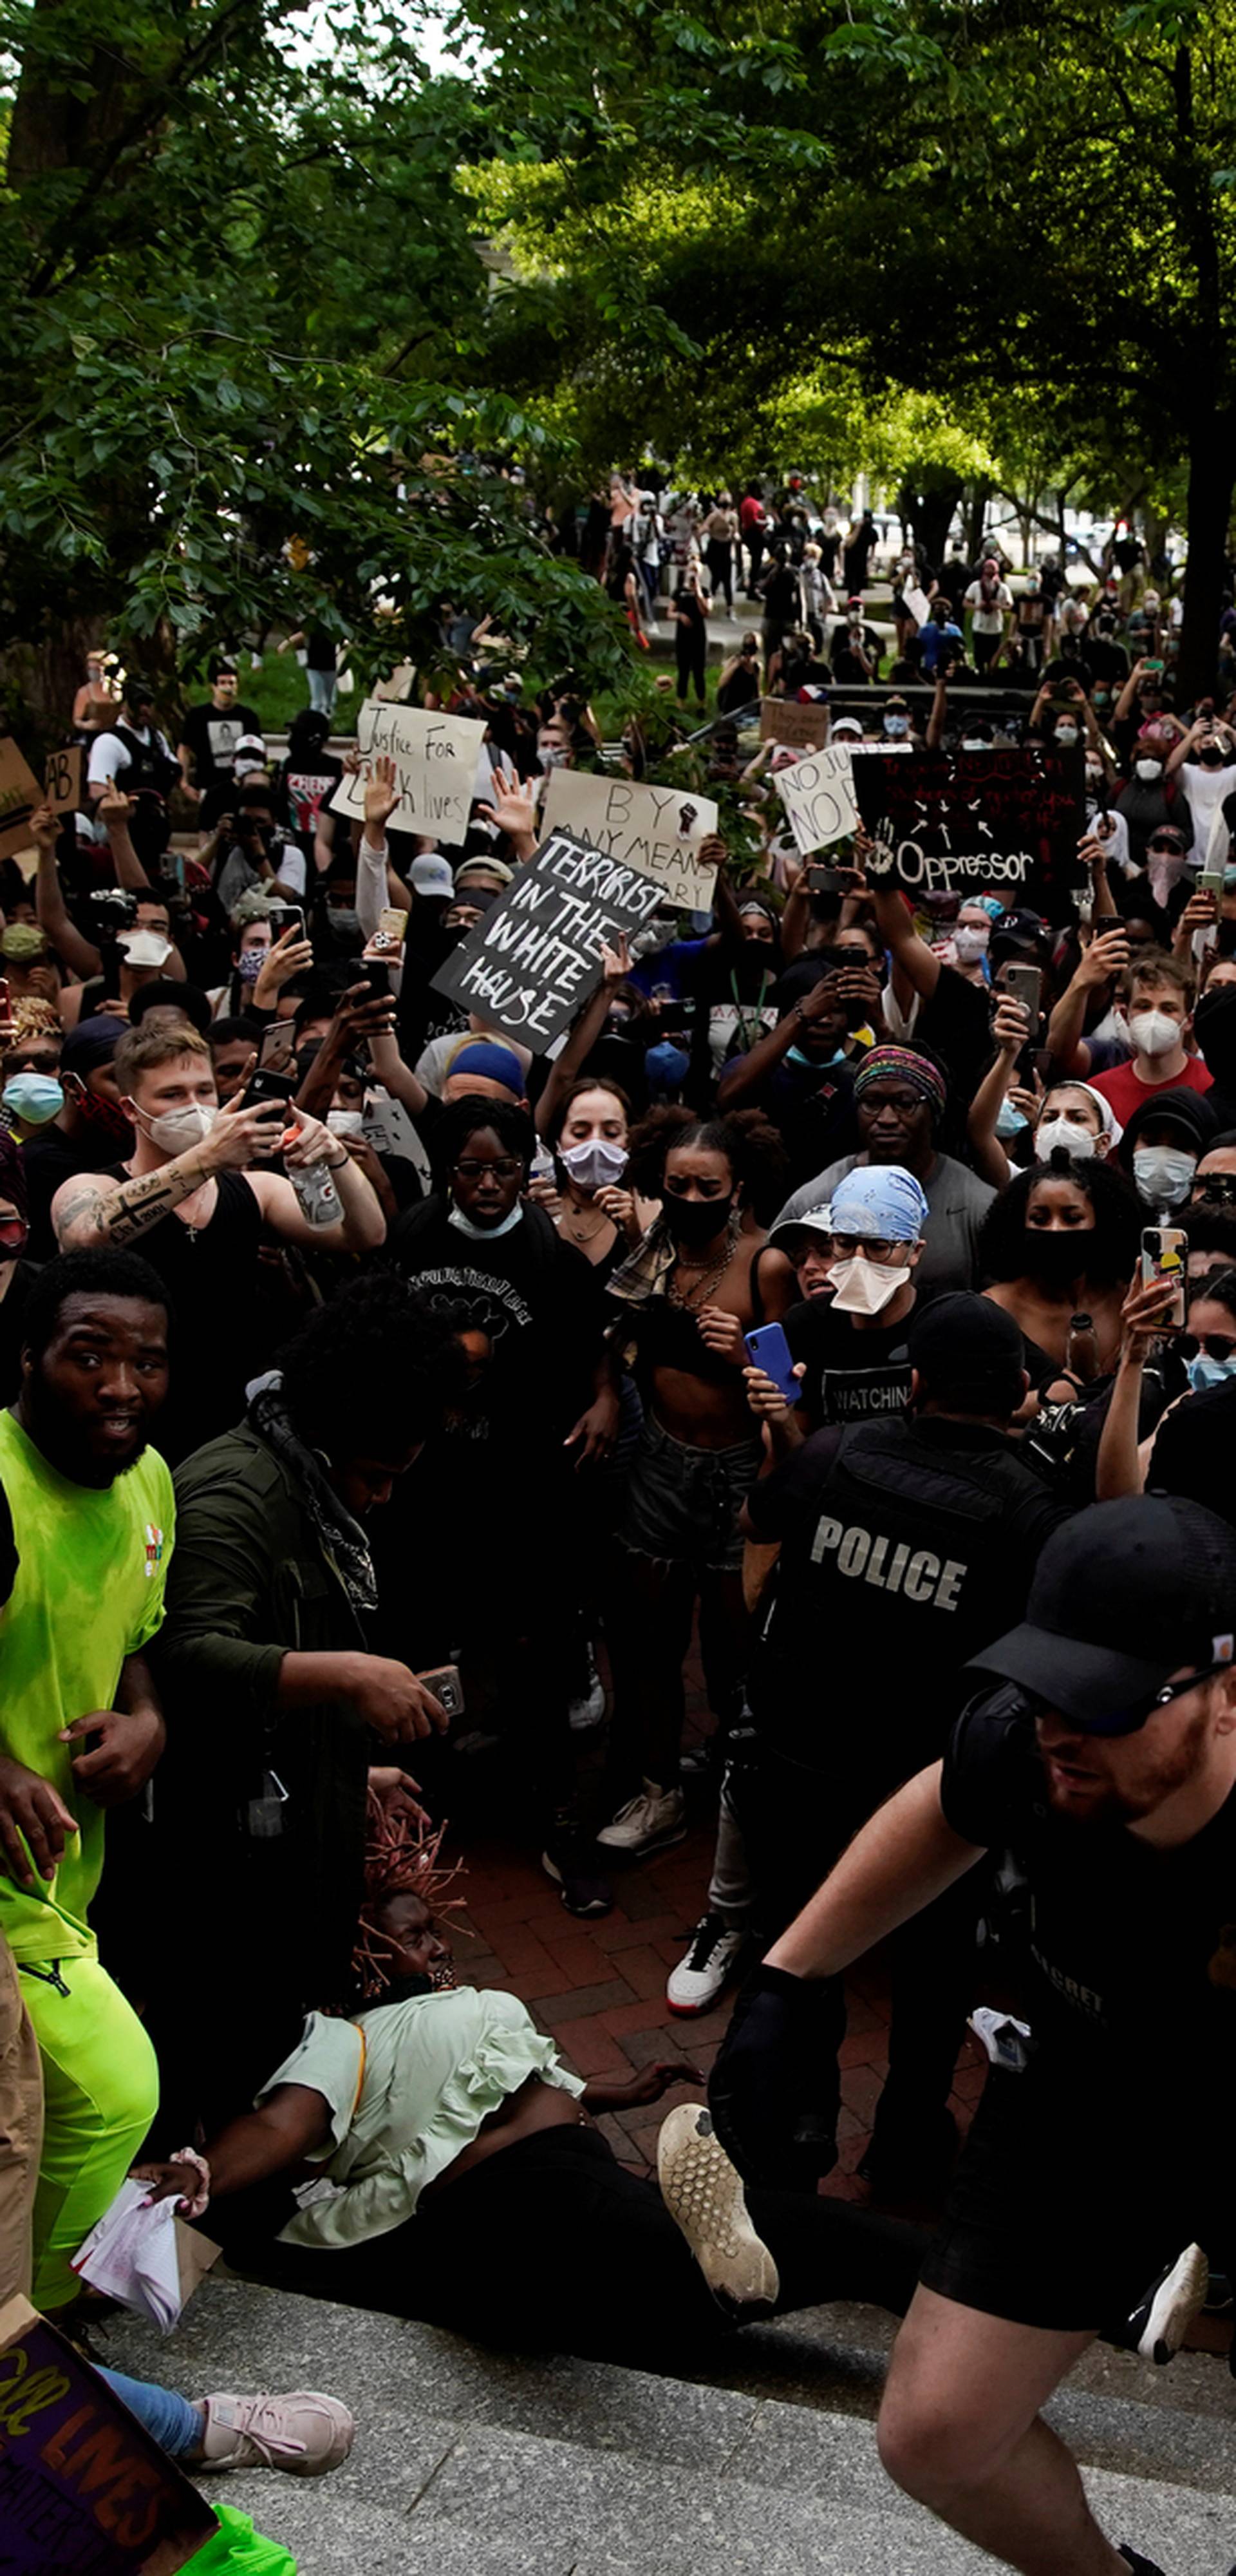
[1219, 1186]
[1217, 1346]
[1129, 1721]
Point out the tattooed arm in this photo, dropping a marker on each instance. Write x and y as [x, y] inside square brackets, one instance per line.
[91, 1209]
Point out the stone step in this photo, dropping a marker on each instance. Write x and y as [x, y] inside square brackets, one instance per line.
[591, 2468]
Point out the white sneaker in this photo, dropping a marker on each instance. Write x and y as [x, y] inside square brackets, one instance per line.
[655, 1817]
[589, 1709]
[303, 2433]
[698, 1979]
[703, 2193]
[1159, 2323]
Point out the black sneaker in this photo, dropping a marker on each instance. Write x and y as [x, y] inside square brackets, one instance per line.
[1157, 2326]
[574, 1866]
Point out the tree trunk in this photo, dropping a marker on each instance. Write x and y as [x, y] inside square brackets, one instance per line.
[929, 511]
[1212, 472]
[39, 681]
[976, 516]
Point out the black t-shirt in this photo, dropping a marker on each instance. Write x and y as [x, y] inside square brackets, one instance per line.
[740, 690]
[779, 592]
[539, 1304]
[812, 1107]
[1132, 1949]
[211, 733]
[955, 1022]
[906, 1546]
[852, 1374]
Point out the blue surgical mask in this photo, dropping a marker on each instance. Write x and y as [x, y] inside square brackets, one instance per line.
[896, 727]
[1229, 880]
[1204, 1372]
[1009, 1120]
[815, 1063]
[35, 1097]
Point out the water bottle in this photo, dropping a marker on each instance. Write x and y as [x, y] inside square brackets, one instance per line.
[1081, 1356]
[318, 1198]
[541, 1167]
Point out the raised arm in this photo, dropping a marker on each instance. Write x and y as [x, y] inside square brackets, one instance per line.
[89, 1210]
[513, 811]
[1119, 1467]
[78, 954]
[904, 1858]
[1106, 956]
[565, 1069]
[114, 810]
[1011, 1030]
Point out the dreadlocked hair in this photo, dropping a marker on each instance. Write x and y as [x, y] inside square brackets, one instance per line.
[401, 1859]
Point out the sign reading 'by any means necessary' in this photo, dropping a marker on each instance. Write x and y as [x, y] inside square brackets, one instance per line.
[533, 961]
[657, 830]
[435, 759]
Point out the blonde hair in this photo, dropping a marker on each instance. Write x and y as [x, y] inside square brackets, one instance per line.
[144, 1049]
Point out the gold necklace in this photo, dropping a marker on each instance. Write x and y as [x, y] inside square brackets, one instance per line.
[707, 1277]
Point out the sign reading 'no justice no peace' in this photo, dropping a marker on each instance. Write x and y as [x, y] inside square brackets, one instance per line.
[1007, 822]
[533, 961]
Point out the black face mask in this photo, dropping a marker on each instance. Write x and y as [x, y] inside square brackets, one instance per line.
[1055, 1255]
[694, 1222]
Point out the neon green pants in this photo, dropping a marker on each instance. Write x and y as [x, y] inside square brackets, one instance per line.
[100, 2093]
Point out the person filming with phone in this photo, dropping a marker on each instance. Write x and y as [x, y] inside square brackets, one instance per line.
[188, 1197]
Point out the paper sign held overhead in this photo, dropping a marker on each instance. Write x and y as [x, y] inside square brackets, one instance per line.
[657, 830]
[818, 796]
[533, 961]
[917, 602]
[802, 724]
[62, 780]
[435, 760]
[20, 792]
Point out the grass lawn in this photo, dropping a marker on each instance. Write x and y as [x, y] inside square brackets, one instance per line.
[278, 687]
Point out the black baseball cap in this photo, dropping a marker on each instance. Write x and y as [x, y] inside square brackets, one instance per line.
[1153, 1573]
[961, 1340]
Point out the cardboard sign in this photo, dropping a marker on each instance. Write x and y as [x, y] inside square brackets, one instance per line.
[655, 830]
[62, 780]
[435, 760]
[963, 822]
[83, 2489]
[818, 796]
[20, 792]
[917, 602]
[803, 725]
[531, 964]
[398, 689]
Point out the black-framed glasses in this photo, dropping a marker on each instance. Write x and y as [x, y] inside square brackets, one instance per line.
[507, 1167]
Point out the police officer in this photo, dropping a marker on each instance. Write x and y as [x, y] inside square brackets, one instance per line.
[1108, 1772]
[906, 1544]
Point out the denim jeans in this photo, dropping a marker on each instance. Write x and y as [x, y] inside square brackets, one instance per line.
[170, 2420]
[323, 691]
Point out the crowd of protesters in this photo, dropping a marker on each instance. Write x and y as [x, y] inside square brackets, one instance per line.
[377, 1389]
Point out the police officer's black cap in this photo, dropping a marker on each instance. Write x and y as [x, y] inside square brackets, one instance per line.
[959, 1337]
[1125, 1596]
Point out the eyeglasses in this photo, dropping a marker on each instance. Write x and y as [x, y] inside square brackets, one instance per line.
[1218, 1186]
[507, 1168]
[1217, 1346]
[844, 1245]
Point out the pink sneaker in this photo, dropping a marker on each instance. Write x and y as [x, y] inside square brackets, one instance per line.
[304, 2433]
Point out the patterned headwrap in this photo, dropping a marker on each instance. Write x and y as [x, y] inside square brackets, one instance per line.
[901, 1064]
[401, 1859]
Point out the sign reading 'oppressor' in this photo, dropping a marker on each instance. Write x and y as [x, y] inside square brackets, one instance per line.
[960, 822]
[533, 961]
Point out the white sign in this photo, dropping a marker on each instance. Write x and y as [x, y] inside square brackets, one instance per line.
[818, 796]
[657, 830]
[917, 602]
[435, 760]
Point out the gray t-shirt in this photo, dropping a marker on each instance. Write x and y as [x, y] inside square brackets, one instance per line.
[957, 1202]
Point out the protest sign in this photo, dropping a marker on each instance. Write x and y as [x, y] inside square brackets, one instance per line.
[818, 796]
[1007, 822]
[20, 792]
[533, 960]
[435, 759]
[62, 780]
[656, 830]
[84, 2490]
[803, 724]
[917, 602]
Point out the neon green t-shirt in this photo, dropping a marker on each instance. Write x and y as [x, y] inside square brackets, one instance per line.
[88, 1592]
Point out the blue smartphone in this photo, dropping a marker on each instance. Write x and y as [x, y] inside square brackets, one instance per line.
[771, 1352]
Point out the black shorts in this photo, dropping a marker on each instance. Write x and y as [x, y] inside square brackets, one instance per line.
[1069, 2199]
